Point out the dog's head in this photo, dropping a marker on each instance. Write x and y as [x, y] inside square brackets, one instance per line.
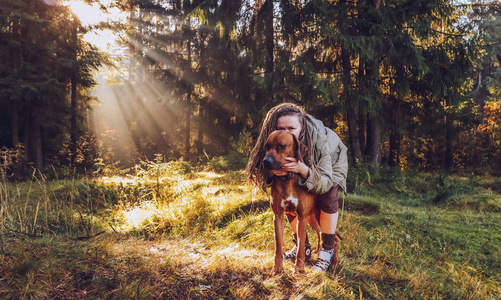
[282, 144]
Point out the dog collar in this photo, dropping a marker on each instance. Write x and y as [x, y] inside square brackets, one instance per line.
[288, 176]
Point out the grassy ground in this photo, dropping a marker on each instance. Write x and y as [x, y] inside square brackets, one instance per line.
[173, 233]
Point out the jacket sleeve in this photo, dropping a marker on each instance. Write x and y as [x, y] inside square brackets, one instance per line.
[340, 166]
[320, 182]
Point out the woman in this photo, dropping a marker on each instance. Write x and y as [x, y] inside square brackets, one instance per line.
[324, 170]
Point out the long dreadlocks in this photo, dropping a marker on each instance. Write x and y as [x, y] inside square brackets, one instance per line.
[255, 168]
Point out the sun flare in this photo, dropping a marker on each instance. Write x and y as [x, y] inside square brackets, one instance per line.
[90, 15]
[87, 14]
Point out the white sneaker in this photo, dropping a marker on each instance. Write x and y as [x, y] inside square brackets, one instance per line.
[293, 252]
[324, 260]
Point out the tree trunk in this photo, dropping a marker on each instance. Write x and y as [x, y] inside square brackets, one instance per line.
[350, 107]
[374, 139]
[201, 127]
[374, 125]
[394, 155]
[374, 117]
[187, 133]
[15, 59]
[15, 125]
[16, 143]
[73, 105]
[351, 116]
[34, 140]
[132, 49]
[369, 137]
[361, 87]
[362, 126]
[269, 42]
[202, 100]
[73, 125]
[395, 136]
[188, 114]
[449, 136]
[27, 143]
[368, 81]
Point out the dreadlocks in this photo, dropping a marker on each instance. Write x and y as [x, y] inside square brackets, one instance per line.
[255, 168]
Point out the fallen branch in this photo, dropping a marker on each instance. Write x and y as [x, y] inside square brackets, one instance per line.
[24, 233]
[112, 228]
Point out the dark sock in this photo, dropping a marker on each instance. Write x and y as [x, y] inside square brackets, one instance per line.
[294, 238]
[328, 241]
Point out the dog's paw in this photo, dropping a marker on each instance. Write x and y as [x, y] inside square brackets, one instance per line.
[278, 270]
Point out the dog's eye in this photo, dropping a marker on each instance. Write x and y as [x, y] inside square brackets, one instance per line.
[280, 146]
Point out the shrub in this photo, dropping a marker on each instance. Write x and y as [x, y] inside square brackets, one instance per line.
[157, 168]
[226, 163]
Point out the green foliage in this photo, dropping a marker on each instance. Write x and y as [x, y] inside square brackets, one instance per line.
[414, 188]
[156, 169]
[226, 163]
[40, 52]
[400, 59]
[393, 70]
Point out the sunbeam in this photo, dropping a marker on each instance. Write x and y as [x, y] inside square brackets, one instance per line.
[166, 82]
[92, 15]
[139, 117]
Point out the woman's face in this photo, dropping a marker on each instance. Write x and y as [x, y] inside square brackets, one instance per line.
[290, 123]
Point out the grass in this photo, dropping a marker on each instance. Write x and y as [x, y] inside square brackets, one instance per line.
[171, 232]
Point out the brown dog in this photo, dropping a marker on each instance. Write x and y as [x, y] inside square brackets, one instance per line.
[288, 196]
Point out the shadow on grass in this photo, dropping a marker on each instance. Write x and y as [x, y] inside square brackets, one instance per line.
[361, 205]
[254, 207]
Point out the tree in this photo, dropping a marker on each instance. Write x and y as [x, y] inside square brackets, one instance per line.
[35, 73]
[391, 71]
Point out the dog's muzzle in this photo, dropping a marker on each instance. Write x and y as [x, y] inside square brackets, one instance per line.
[270, 163]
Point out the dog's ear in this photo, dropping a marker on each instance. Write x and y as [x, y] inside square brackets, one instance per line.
[301, 149]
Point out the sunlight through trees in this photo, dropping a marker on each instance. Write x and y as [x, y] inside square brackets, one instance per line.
[403, 82]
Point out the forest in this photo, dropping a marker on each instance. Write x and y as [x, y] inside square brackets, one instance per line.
[408, 84]
[123, 144]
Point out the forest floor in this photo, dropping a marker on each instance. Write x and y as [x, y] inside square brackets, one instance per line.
[173, 233]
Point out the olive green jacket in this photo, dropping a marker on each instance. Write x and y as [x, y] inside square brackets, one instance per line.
[331, 159]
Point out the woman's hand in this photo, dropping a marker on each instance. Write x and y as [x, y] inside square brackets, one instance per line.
[296, 166]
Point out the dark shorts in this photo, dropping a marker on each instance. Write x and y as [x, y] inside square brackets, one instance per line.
[329, 202]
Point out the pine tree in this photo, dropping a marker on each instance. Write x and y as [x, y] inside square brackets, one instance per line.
[35, 72]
